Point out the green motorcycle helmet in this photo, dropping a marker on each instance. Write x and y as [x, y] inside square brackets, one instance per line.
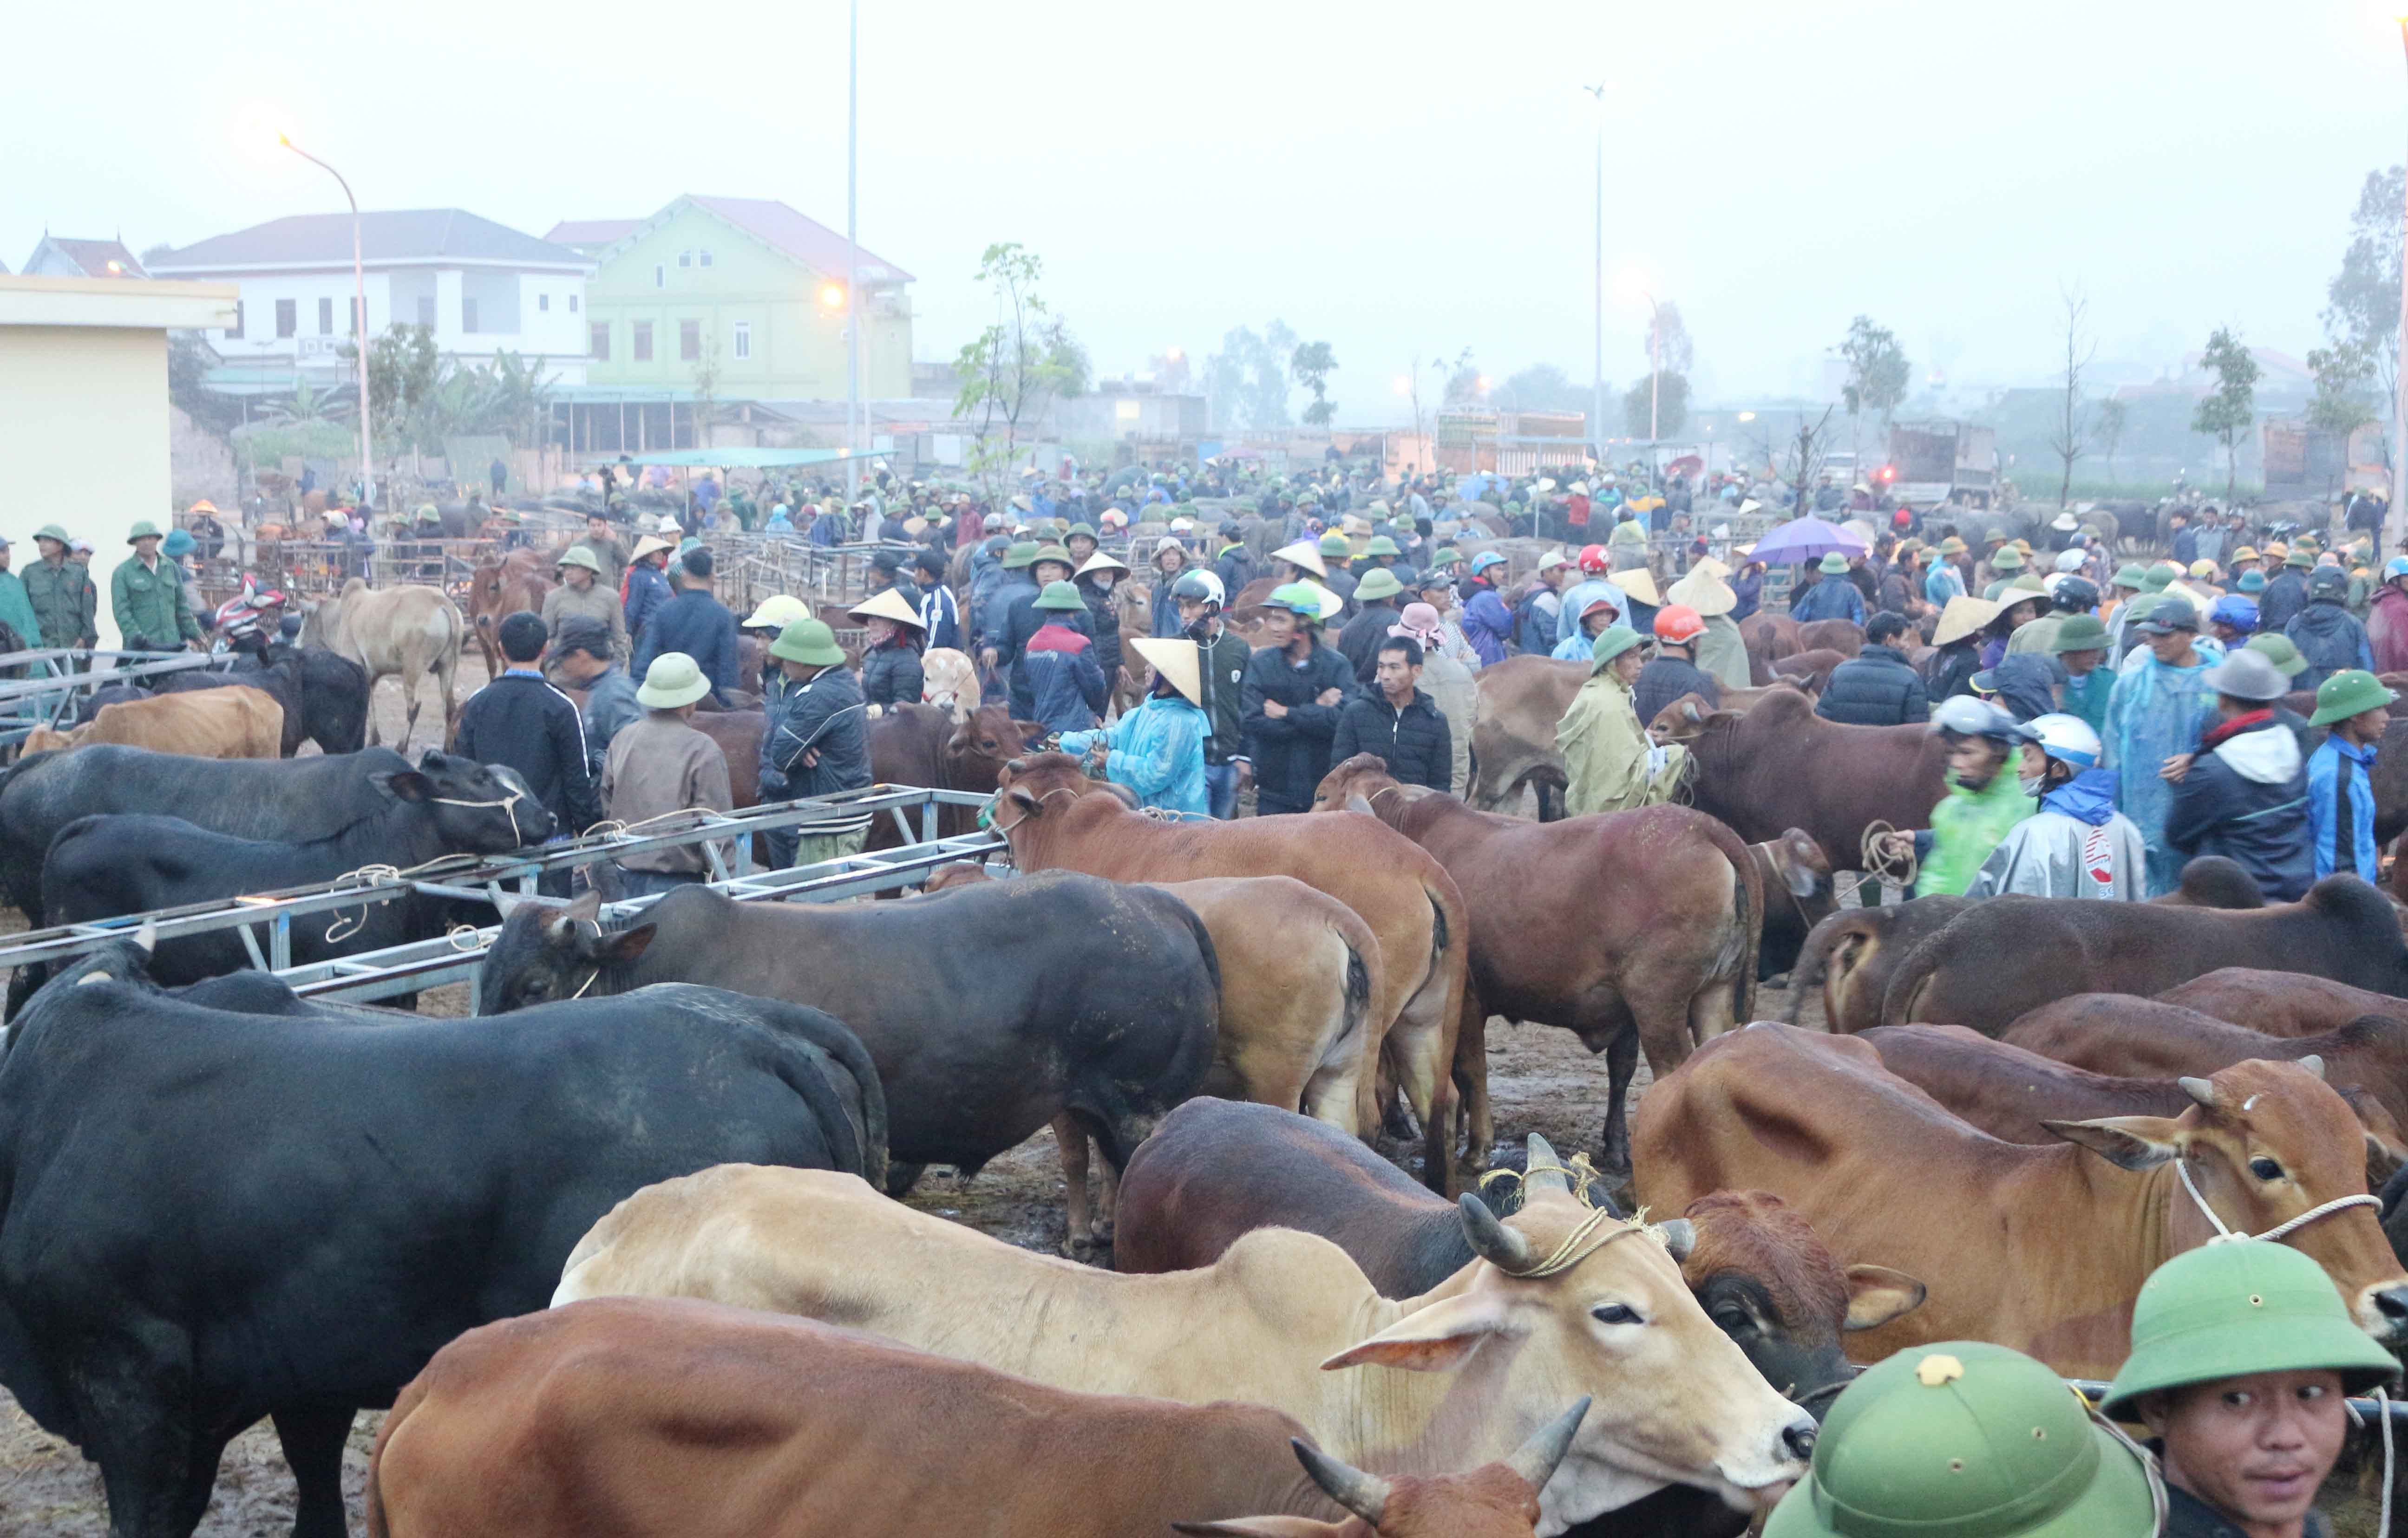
[2239, 1306]
[1966, 1440]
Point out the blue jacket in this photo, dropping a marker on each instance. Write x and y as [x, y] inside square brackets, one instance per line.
[1488, 624]
[1166, 607]
[698, 625]
[1832, 598]
[2341, 808]
[648, 589]
[2330, 639]
[2246, 798]
[1942, 583]
[1058, 681]
[941, 616]
[1157, 751]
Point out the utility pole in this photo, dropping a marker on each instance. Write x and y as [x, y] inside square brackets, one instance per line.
[2394, 527]
[851, 256]
[360, 321]
[1597, 367]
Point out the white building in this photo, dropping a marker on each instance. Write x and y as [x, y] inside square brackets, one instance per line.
[483, 288]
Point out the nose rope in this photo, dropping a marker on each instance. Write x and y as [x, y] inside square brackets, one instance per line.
[2280, 1231]
[508, 804]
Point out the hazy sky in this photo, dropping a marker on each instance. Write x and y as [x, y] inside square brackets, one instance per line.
[1404, 178]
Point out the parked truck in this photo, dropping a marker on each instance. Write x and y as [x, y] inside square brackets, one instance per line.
[1934, 461]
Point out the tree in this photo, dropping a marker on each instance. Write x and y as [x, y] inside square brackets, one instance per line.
[1668, 341]
[2228, 410]
[1268, 385]
[1247, 381]
[2107, 424]
[1463, 381]
[1542, 387]
[2362, 301]
[2342, 402]
[1662, 402]
[2073, 419]
[1806, 459]
[1313, 363]
[1877, 369]
[1010, 371]
[189, 359]
[403, 368]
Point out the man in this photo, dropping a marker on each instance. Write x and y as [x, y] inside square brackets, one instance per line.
[1487, 623]
[660, 764]
[940, 613]
[2243, 794]
[1022, 615]
[1220, 659]
[582, 595]
[1395, 721]
[2386, 622]
[2068, 595]
[2077, 845]
[886, 573]
[2081, 647]
[2341, 791]
[1986, 797]
[1877, 687]
[1610, 765]
[1831, 597]
[1674, 671]
[16, 608]
[1235, 563]
[2006, 563]
[2156, 709]
[1537, 623]
[1293, 687]
[697, 623]
[1944, 581]
[1056, 679]
[603, 540]
[814, 742]
[2287, 591]
[521, 721]
[1379, 593]
[2241, 1356]
[152, 611]
[1901, 585]
[646, 586]
[2326, 633]
[580, 659]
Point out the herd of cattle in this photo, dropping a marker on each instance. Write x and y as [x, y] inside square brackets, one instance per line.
[622, 1253]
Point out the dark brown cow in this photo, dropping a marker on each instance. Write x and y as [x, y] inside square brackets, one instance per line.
[1663, 975]
[499, 588]
[1797, 897]
[1769, 637]
[1781, 767]
[2007, 956]
[2281, 1004]
[1852, 954]
[1810, 670]
[1844, 636]
[920, 745]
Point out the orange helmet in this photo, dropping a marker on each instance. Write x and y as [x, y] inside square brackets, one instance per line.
[1679, 624]
[1592, 559]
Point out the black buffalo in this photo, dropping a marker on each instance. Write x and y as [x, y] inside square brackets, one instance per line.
[208, 1217]
[990, 1009]
[120, 864]
[324, 696]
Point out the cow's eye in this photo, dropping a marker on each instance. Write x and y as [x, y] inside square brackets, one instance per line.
[2265, 1169]
[1615, 1314]
[1731, 1321]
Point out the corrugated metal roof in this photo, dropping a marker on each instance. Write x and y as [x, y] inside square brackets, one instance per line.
[390, 235]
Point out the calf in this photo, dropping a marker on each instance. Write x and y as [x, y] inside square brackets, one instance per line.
[239, 722]
[324, 696]
[208, 1217]
[1797, 895]
[2281, 1004]
[663, 1418]
[2039, 1249]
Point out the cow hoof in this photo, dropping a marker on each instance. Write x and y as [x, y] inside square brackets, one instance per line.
[1086, 1250]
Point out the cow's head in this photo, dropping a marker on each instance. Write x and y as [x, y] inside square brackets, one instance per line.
[1032, 788]
[1566, 1299]
[1767, 1281]
[549, 950]
[987, 736]
[1497, 1499]
[1804, 873]
[2264, 1142]
[949, 681]
[1689, 718]
[476, 808]
[1358, 785]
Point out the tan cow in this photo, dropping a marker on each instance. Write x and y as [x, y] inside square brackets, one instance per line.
[949, 681]
[234, 722]
[1567, 1301]
[2039, 1249]
[397, 632]
[653, 1417]
[1054, 817]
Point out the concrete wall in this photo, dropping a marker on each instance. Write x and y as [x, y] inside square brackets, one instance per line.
[535, 315]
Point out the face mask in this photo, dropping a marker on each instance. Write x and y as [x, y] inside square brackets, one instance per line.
[2034, 785]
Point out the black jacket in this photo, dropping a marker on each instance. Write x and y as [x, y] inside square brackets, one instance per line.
[826, 715]
[1361, 638]
[698, 625]
[2246, 798]
[890, 676]
[520, 721]
[2286, 595]
[1220, 665]
[1875, 687]
[1953, 667]
[1413, 743]
[2331, 638]
[1106, 621]
[1665, 679]
[1291, 752]
[1235, 567]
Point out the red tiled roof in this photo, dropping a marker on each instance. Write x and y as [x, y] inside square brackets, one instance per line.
[94, 257]
[805, 239]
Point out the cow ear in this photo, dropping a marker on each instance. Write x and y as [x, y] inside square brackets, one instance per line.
[1030, 731]
[2128, 1142]
[404, 785]
[1029, 805]
[620, 948]
[432, 760]
[1436, 1339]
[1356, 804]
[1877, 1294]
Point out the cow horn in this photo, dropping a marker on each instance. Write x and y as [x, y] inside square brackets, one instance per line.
[1535, 1460]
[2314, 1063]
[147, 937]
[1541, 1170]
[1680, 1236]
[1364, 1494]
[2199, 1089]
[1491, 1240]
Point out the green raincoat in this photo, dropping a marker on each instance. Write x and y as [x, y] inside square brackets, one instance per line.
[1966, 826]
[1609, 762]
[64, 602]
[152, 611]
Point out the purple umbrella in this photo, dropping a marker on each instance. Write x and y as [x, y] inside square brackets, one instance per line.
[1805, 539]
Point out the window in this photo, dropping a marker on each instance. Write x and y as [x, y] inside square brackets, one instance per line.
[426, 310]
[326, 318]
[234, 332]
[285, 322]
[706, 259]
[467, 315]
[744, 338]
[642, 350]
[600, 348]
[572, 304]
[543, 302]
[685, 258]
[660, 275]
[689, 340]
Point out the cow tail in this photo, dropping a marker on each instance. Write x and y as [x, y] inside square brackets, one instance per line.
[1357, 1008]
[803, 1075]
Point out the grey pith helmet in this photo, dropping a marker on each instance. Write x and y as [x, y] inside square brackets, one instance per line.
[2247, 675]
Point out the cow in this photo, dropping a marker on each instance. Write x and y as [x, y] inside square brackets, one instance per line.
[1768, 637]
[1780, 766]
[2281, 1004]
[1663, 975]
[1053, 816]
[1797, 895]
[920, 745]
[664, 1417]
[949, 681]
[1283, 1319]
[218, 723]
[1513, 739]
[498, 588]
[1844, 636]
[2039, 1248]
[1850, 955]
[324, 696]
[1810, 671]
[120, 864]
[397, 632]
[989, 1011]
[2006, 956]
[208, 1217]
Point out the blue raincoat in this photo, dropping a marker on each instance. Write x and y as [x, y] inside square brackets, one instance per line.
[1156, 750]
[2155, 713]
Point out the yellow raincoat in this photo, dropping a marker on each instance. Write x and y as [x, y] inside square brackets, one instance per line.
[1609, 763]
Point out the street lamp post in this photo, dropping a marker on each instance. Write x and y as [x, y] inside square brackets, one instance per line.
[359, 319]
[851, 256]
[1597, 366]
[2400, 384]
[1655, 367]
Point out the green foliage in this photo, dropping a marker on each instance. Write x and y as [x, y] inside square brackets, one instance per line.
[2224, 414]
[1462, 382]
[1669, 347]
[1247, 381]
[2343, 401]
[2107, 425]
[1878, 373]
[1665, 399]
[2364, 296]
[1542, 387]
[189, 358]
[1311, 363]
[1012, 368]
[403, 365]
[307, 405]
[266, 445]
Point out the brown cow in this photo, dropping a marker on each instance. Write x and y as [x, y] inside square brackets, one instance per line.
[1663, 975]
[1811, 670]
[2281, 1004]
[666, 1417]
[920, 744]
[1781, 767]
[1851, 954]
[2006, 956]
[1844, 636]
[2039, 1248]
[1797, 897]
[234, 722]
[1513, 739]
[394, 632]
[1769, 637]
[1046, 812]
[498, 589]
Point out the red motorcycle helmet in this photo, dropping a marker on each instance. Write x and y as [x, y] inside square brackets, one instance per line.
[1679, 624]
[1592, 559]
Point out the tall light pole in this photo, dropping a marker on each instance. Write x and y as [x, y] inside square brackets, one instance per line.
[2400, 384]
[1655, 367]
[1597, 364]
[851, 256]
[360, 321]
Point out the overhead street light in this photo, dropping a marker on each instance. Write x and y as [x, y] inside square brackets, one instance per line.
[359, 319]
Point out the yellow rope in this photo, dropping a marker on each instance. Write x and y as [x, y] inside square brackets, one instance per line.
[1582, 1241]
[1902, 870]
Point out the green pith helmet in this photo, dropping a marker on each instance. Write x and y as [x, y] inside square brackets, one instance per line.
[1612, 641]
[1445, 555]
[1336, 544]
[1078, 529]
[1952, 546]
[2006, 558]
[1966, 1440]
[577, 555]
[1302, 598]
[2302, 554]
[2252, 580]
[1019, 556]
[2347, 693]
[1381, 545]
[2080, 633]
[1834, 564]
[807, 641]
[2158, 578]
[1060, 595]
[144, 529]
[2240, 1306]
[1052, 552]
[2281, 652]
[52, 531]
[1379, 582]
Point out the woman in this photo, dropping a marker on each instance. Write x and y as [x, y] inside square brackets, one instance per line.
[890, 665]
[1158, 750]
[1096, 581]
[1958, 639]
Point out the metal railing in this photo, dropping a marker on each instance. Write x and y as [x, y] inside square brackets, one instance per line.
[53, 695]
